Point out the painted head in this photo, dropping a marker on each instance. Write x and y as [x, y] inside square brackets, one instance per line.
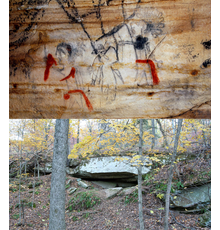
[63, 51]
[145, 26]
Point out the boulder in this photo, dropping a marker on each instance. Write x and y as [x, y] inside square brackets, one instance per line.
[196, 198]
[111, 192]
[82, 184]
[47, 169]
[127, 191]
[68, 182]
[107, 168]
[73, 163]
[72, 190]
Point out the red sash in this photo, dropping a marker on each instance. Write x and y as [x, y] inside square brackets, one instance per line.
[88, 103]
[156, 80]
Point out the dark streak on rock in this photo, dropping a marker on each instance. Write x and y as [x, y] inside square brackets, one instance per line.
[192, 23]
[57, 90]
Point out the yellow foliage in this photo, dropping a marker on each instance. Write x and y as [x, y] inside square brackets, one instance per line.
[160, 195]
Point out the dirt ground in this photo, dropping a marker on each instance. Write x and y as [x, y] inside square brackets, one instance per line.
[111, 214]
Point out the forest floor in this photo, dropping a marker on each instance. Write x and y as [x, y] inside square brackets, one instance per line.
[118, 213]
[110, 214]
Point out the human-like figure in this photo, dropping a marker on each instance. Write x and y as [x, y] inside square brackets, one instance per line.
[141, 33]
[104, 73]
[66, 66]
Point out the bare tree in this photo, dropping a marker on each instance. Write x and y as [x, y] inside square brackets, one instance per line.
[78, 132]
[140, 205]
[153, 132]
[90, 125]
[20, 149]
[68, 152]
[167, 204]
[57, 194]
[33, 186]
[163, 132]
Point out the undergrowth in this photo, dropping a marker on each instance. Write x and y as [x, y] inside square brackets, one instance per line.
[83, 201]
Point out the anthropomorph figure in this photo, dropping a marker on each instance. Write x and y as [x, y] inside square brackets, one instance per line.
[144, 28]
[65, 64]
[105, 74]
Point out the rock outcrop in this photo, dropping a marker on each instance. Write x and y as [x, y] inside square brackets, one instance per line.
[47, 169]
[107, 168]
[192, 200]
[109, 59]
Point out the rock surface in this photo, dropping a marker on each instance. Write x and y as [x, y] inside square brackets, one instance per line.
[193, 198]
[205, 219]
[71, 190]
[107, 168]
[109, 59]
[47, 169]
[127, 191]
[111, 192]
[82, 184]
[73, 163]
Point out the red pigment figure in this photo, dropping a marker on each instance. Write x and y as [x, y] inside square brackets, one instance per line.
[88, 103]
[50, 62]
[72, 74]
[156, 80]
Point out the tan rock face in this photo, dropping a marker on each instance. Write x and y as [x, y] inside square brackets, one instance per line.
[110, 59]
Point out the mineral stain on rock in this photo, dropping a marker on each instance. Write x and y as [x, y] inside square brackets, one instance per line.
[150, 94]
[194, 72]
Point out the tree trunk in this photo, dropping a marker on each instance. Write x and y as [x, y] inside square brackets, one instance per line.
[20, 170]
[19, 192]
[58, 179]
[33, 186]
[203, 134]
[163, 132]
[38, 171]
[89, 125]
[167, 204]
[78, 132]
[25, 166]
[153, 132]
[68, 153]
[174, 128]
[141, 219]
